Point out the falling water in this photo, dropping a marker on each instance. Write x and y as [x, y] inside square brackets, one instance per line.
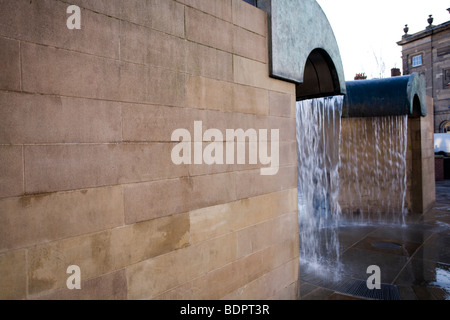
[318, 139]
[373, 169]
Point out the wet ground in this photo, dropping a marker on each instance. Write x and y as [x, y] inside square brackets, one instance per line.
[413, 259]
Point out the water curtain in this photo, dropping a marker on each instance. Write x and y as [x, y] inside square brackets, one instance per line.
[318, 138]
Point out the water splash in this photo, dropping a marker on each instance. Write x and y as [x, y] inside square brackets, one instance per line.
[318, 139]
[373, 169]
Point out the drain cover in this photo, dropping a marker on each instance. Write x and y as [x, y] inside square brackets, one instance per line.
[359, 288]
[387, 245]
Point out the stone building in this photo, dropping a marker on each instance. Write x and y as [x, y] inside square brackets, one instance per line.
[428, 52]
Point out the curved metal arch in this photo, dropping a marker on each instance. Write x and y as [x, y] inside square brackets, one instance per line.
[296, 29]
[404, 95]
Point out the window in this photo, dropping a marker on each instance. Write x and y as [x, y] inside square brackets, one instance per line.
[417, 61]
[444, 127]
[252, 2]
[446, 79]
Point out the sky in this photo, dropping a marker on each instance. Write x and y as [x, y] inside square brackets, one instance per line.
[367, 32]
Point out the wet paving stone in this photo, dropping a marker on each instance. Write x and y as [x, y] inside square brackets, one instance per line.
[413, 258]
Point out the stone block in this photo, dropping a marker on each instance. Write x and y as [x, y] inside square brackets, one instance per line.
[44, 22]
[211, 222]
[205, 93]
[32, 118]
[219, 8]
[249, 17]
[162, 15]
[288, 153]
[208, 30]
[112, 286]
[147, 46]
[287, 127]
[52, 168]
[219, 283]
[149, 278]
[281, 104]
[251, 183]
[289, 292]
[13, 284]
[54, 71]
[133, 84]
[9, 64]
[250, 45]
[208, 62]
[165, 87]
[268, 285]
[256, 74]
[250, 100]
[11, 171]
[155, 123]
[163, 198]
[88, 76]
[111, 8]
[32, 220]
[104, 252]
[267, 233]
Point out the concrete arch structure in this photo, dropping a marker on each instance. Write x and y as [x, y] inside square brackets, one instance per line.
[303, 48]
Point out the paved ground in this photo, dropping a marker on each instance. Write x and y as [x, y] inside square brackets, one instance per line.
[414, 260]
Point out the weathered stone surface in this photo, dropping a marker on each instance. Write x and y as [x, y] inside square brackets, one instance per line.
[249, 17]
[162, 15]
[208, 30]
[104, 252]
[112, 286]
[11, 171]
[221, 282]
[219, 8]
[254, 73]
[272, 284]
[33, 220]
[208, 62]
[163, 198]
[211, 222]
[32, 118]
[50, 168]
[149, 278]
[9, 64]
[251, 183]
[147, 46]
[13, 284]
[281, 104]
[250, 45]
[44, 22]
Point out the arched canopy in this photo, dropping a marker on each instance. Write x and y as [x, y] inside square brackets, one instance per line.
[302, 47]
[320, 78]
[403, 95]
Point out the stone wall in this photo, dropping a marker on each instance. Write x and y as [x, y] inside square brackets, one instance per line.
[86, 176]
[420, 157]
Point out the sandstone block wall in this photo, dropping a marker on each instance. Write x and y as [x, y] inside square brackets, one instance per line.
[86, 176]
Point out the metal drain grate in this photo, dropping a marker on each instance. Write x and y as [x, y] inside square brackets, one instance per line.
[359, 288]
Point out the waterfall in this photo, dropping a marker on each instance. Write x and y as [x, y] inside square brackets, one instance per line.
[318, 139]
[373, 169]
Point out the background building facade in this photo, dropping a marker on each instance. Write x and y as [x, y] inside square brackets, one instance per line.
[428, 52]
